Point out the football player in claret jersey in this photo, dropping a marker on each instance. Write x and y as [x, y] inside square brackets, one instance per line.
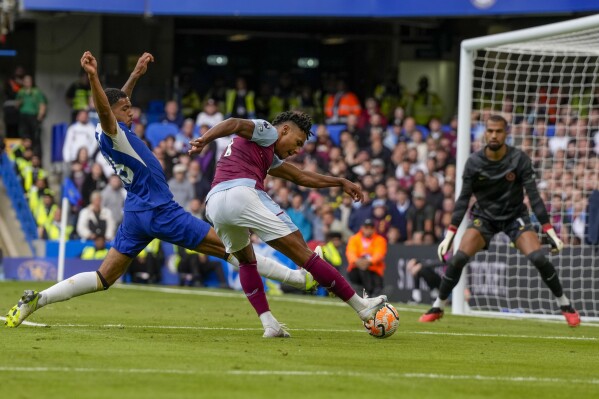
[149, 212]
[497, 176]
[237, 202]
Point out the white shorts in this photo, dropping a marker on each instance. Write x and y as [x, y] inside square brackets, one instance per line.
[236, 210]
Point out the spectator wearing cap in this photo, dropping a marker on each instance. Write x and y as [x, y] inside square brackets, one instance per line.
[182, 189]
[378, 169]
[365, 254]
[421, 219]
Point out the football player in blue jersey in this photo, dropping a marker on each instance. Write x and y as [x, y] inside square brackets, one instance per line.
[149, 212]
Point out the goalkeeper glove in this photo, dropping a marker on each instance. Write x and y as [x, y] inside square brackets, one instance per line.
[554, 241]
[446, 243]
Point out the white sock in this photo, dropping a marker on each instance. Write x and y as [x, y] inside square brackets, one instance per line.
[439, 303]
[563, 300]
[273, 270]
[79, 284]
[268, 320]
[357, 303]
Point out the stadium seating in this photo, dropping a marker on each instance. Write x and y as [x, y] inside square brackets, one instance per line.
[17, 197]
[335, 133]
[156, 132]
[59, 133]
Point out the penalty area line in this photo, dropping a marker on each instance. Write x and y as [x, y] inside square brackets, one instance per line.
[307, 373]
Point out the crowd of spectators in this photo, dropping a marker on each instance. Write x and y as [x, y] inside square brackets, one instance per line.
[394, 145]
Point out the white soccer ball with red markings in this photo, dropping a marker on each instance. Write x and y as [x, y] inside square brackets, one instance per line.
[384, 323]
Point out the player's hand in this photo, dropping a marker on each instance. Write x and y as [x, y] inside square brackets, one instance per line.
[197, 146]
[142, 64]
[552, 238]
[89, 63]
[353, 190]
[446, 243]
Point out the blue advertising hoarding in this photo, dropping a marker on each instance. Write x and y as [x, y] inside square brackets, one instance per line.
[318, 8]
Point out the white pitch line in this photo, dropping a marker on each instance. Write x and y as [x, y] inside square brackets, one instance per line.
[326, 330]
[308, 373]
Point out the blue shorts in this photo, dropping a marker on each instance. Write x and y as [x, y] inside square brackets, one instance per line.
[168, 222]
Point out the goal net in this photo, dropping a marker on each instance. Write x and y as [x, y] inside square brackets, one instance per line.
[545, 82]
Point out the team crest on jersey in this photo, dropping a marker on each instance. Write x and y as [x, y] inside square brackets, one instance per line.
[510, 176]
[264, 125]
[476, 223]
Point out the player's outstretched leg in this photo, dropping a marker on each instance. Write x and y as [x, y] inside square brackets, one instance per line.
[330, 278]
[111, 269]
[80, 284]
[294, 247]
[448, 283]
[273, 270]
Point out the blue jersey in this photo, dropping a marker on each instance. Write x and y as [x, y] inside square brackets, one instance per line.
[138, 168]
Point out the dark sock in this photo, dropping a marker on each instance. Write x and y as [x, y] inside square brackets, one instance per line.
[452, 274]
[547, 272]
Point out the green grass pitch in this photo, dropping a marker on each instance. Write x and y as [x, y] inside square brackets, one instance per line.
[152, 342]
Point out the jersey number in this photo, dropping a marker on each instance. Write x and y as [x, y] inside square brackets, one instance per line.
[125, 173]
[228, 151]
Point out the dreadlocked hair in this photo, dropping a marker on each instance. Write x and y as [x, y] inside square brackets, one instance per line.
[114, 95]
[301, 119]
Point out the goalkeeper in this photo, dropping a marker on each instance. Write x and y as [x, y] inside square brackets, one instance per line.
[497, 176]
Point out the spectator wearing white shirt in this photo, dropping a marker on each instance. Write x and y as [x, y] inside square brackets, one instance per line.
[94, 220]
[80, 134]
[560, 139]
[209, 117]
[113, 198]
[181, 188]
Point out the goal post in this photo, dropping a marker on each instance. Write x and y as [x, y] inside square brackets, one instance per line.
[545, 81]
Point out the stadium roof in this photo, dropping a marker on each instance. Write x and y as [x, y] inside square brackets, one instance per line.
[317, 8]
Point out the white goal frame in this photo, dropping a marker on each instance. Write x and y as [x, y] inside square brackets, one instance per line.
[465, 101]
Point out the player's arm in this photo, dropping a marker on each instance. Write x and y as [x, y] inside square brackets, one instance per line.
[304, 178]
[461, 205]
[241, 127]
[139, 70]
[537, 204]
[107, 118]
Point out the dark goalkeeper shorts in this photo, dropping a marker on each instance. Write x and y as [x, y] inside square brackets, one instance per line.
[513, 228]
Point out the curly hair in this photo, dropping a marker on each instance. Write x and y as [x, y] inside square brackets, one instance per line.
[301, 119]
[114, 95]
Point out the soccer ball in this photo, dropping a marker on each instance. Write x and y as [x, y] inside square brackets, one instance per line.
[384, 323]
